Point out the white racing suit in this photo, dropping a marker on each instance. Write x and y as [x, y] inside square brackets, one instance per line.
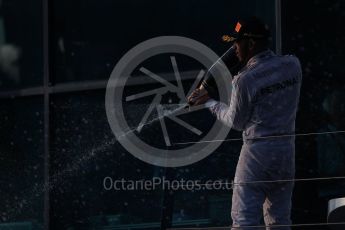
[263, 103]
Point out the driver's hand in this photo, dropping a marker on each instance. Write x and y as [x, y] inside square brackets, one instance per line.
[198, 97]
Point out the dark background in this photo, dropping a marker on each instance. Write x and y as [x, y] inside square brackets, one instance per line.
[87, 39]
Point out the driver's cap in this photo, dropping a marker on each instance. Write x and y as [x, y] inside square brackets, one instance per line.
[248, 28]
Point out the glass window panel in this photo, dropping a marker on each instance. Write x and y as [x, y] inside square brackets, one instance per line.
[89, 37]
[21, 62]
[22, 162]
[86, 162]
